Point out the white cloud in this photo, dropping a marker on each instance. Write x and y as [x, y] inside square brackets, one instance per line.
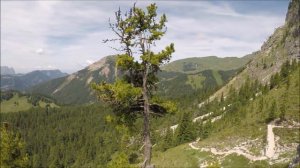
[71, 33]
[39, 51]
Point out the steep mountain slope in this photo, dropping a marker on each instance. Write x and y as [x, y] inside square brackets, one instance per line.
[24, 81]
[260, 131]
[75, 88]
[282, 45]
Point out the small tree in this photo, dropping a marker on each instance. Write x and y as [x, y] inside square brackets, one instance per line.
[222, 98]
[282, 112]
[185, 130]
[120, 160]
[12, 150]
[137, 31]
[272, 112]
[167, 140]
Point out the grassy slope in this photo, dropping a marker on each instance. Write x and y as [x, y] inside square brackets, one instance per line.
[228, 133]
[20, 103]
[180, 156]
[197, 64]
[10, 106]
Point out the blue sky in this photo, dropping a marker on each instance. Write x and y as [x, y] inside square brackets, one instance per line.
[68, 35]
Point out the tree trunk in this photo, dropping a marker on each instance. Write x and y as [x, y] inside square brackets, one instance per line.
[147, 140]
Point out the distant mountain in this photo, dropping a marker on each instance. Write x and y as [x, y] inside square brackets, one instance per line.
[5, 70]
[198, 64]
[194, 75]
[75, 88]
[24, 81]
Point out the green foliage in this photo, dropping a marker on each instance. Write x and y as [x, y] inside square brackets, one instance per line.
[237, 161]
[21, 102]
[169, 105]
[119, 93]
[214, 165]
[282, 112]
[198, 64]
[168, 140]
[75, 136]
[272, 113]
[119, 160]
[185, 131]
[137, 30]
[285, 69]
[12, 150]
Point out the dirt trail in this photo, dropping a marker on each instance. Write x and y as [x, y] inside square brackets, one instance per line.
[242, 149]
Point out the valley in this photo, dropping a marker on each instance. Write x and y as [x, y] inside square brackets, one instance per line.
[121, 112]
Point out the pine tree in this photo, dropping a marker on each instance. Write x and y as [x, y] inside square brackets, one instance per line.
[185, 129]
[119, 160]
[285, 68]
[282, 112]
[272, 112]
[12, 150]
[168, 140]
[137, 31]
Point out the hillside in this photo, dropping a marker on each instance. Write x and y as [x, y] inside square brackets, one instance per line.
[282, 45]
[253, 121]
[22, 82]
[254, 127]
[75, 88]
[248, 116]
[198, 64]
[14, 101]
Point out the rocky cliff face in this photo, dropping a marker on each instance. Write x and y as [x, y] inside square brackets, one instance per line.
[282, 45]
[293, 14]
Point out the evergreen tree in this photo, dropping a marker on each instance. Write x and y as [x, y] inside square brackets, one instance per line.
[285, 68]
[274, 81]
[185, 129]
[294, 64]
[12, 150]
[283, 107]
[272, 112]
[282, 112]
[120, 160]
[168, 140]
[137, 31]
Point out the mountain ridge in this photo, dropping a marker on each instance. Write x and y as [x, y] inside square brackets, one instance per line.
[64, 88]
[22, 82]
